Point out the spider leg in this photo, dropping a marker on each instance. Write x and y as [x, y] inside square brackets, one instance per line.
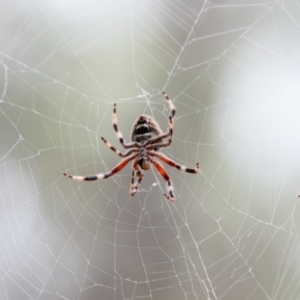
[152, 144]
[116, 150]
[172, 163]
[169, 133]
[135, 186]
[171, 105]
[165, 175]
[171, 119]
[119, 133]
[132, 192]
[100, 176]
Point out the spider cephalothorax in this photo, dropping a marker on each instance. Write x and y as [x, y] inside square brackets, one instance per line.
[147, 138]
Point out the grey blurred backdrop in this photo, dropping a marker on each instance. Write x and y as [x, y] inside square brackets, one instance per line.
[232, 70]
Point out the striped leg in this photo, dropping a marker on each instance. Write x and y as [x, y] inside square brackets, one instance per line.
[164, 174]
[119, 134]
[172, 163]
[171, 118]
[171, 105]
[115, 170]
[152, 145]
[135, 186]
[109, 145]
[169, 133]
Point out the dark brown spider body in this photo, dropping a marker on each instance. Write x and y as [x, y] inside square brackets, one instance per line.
[144, 129]
[147, 138]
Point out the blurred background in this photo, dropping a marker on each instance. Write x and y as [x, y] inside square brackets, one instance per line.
[232, 70]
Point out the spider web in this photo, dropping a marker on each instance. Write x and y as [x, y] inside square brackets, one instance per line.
[232, 70]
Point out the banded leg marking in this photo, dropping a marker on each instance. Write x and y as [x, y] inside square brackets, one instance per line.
[106, 175]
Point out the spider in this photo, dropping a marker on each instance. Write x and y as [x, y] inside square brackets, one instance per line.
[147, 138]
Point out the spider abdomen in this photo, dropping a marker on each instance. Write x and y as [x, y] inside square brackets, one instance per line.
[144, 128]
